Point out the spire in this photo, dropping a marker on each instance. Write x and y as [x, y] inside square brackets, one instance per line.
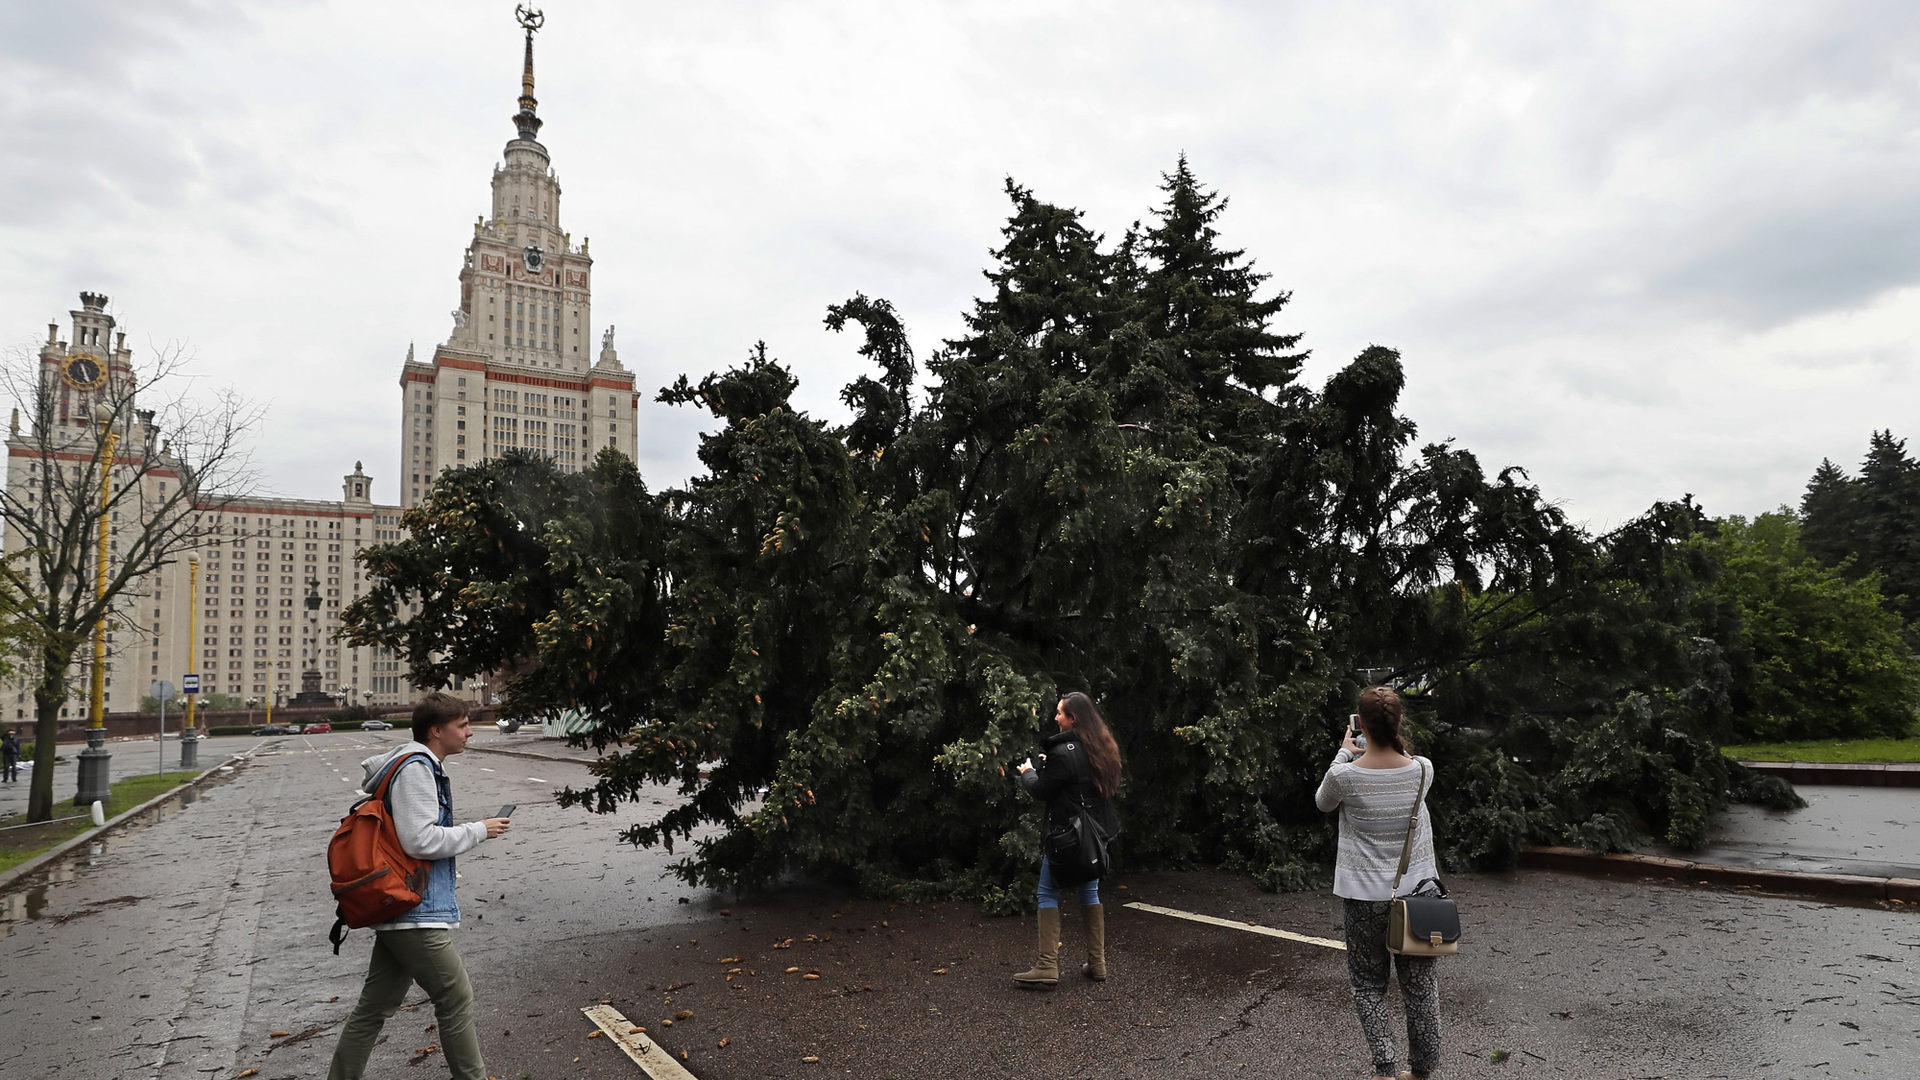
[525, 120]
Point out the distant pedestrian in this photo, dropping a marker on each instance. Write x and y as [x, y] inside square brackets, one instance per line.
[1079, 766]
[417, 947]
[1375, 788]
[9, 757]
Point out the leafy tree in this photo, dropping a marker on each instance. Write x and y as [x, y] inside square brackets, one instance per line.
[837, 641]
[1591, 710]
[1827, 655]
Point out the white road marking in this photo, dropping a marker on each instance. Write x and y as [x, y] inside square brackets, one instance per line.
[536, 780]
[644, 1051]
[1269, 931]
[483, 768]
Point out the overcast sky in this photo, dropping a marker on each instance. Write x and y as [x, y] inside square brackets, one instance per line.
[1640, 249]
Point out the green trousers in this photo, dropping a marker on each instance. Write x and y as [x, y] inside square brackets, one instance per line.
[400, 959]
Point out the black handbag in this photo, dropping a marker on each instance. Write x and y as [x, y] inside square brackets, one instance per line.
[1076, 846]
[1425, 922]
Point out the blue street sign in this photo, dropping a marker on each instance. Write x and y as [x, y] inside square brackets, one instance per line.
[189, 684]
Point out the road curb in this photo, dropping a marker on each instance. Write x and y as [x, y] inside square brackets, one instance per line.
[52, 854]
[1847, 887]
[1863, 774]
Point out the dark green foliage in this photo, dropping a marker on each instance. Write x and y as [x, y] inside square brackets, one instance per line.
[1826, 653]
[1112, 482]
[1827, 515]
[1872, 520]
[1601, 694]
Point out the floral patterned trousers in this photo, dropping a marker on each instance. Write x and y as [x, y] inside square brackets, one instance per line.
[1368, 966]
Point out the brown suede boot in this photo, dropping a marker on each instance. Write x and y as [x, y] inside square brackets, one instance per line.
[1046, 970]
[1095, 918]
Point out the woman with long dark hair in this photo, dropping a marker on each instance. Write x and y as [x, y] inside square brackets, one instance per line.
[1376, 784]
[1079, 766]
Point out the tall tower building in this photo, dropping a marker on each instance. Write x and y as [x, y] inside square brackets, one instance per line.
[520, 369]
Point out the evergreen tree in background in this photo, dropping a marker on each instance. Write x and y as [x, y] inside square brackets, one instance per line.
[838, 641]
[1873, 519]
[1827, 516]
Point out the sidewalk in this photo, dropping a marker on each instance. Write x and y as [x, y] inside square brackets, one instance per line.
[525, 743]
[1867, 774]
[1849, 843]
[1843, 830]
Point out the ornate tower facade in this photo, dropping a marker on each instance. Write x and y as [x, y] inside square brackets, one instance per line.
[519, 370]
[52, 455]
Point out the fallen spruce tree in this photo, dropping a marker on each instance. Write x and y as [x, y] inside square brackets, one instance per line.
[838, 640]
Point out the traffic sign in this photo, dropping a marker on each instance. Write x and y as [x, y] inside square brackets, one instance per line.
[190, 683]
[161, 689]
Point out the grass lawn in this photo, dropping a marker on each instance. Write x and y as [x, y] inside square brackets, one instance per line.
[1830, 750]
[19, 845]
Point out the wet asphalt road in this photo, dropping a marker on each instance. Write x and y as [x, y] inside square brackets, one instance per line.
[184, 946]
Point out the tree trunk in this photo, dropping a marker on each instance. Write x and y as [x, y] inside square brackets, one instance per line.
[48, 696]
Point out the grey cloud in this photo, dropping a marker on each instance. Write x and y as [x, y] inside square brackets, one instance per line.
[1479, 185]
[1786, 261]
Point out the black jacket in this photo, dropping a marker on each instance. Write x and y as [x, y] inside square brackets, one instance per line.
[1065, 773]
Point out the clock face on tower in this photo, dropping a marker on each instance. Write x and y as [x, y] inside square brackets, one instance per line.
[84, 373]
[535, 258]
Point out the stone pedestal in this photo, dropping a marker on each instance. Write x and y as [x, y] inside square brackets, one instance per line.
[95, 782]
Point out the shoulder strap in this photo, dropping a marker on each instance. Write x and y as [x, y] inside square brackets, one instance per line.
[393, 770]
[1413, 821]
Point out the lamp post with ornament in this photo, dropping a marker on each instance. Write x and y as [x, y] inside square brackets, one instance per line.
[95, 782]
[189, 738]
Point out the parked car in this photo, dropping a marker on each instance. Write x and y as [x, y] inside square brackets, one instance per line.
[275, 729]
[320, 728]
[376, 725]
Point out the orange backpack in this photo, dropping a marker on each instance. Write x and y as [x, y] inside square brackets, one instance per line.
[374, 880]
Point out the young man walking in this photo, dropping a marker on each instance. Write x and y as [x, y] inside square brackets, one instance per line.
[417, 947]
[9, 757]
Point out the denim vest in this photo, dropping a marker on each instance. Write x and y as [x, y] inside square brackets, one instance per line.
[437, 903]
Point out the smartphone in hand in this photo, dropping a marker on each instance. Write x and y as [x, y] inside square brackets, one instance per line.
[507, 810]
[1354, 729]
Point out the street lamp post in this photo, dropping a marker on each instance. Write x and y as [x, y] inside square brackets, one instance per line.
[95, 782]
[189, 739]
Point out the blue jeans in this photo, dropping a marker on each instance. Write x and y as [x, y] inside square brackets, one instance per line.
[1049, 893]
